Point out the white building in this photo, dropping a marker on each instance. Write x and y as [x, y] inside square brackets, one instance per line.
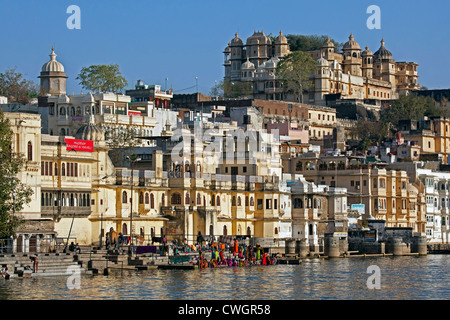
[437, 195]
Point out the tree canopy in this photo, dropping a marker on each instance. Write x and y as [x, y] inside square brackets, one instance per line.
[309, 43]
[16, 88]
[409, 107]
[14, 195]
[231, 89]
[294, 70]
[102, 78]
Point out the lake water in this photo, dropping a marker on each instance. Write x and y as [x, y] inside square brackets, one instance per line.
[344, 279]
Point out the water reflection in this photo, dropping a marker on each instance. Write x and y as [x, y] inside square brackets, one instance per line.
[401, 278]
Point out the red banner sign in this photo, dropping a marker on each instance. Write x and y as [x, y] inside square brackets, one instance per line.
[80, 145]
[134, 113]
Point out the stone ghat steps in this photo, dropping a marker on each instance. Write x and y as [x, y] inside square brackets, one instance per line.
[49, 264]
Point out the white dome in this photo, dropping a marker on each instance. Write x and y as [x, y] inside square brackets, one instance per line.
[272, 63]
[53, 65]
[248, 65]
[322, 62]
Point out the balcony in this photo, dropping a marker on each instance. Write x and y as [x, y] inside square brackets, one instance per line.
[65, 212]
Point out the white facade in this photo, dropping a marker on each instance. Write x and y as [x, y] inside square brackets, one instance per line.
[437, 196]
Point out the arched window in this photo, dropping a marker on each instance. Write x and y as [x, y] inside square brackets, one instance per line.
[298, 203]
[187, 199]
[218, 201]
[225, 231]
[233, 201]
[62, 111]
[311, 230]
[163, 200]
[152, 201]
[239, 203]
[30, 151]
[124, 197]
[141, 198]
[252, 202]
[199, 199]
[176, 198]
[213, 200]
[147, 199]
[63, 169]
[249, 231]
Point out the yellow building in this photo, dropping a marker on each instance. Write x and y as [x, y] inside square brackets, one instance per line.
[386, 194]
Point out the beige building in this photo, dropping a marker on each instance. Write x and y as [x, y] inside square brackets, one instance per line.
[386, 194]
[351, 74]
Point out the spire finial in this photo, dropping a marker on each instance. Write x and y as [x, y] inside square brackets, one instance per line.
[53, 54]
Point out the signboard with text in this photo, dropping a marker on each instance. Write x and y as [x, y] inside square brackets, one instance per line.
[134, 113]
[80, 145]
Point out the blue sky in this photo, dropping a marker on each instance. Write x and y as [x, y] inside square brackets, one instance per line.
[181, 40]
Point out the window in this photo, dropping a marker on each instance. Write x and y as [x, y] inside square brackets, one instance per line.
[63, 169]
[239, 203]
[141, 198]
[152, 201]
[298, 203]
[275, 204]
[259, 203]
[30, 151]
[218, 201]
[176, 198]
[187, 199]
[124, 197]
[147, 200]
[252, 202]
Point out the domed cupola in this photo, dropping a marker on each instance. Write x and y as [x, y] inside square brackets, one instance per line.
[351, 44]
[247, 65]
[90, 132]
[53, 78]
[53, 65]
[236, 40]
[281, 39]
[382, 53]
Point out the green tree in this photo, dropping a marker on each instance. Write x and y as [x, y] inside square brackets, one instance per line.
[309, 43]
[294, 70]
[14, 195]
[16, 88]
[102, 78]
[217, 89]
[121, 142]
[235, 89]
[409, 107]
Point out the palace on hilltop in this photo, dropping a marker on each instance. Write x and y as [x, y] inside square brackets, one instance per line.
[352, 74]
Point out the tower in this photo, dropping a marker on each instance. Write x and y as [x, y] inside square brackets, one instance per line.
[236, 57]
[53, 78]
[367, 63]
[281, 46]
[352, 57]
[384, 65]
[322, 81]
